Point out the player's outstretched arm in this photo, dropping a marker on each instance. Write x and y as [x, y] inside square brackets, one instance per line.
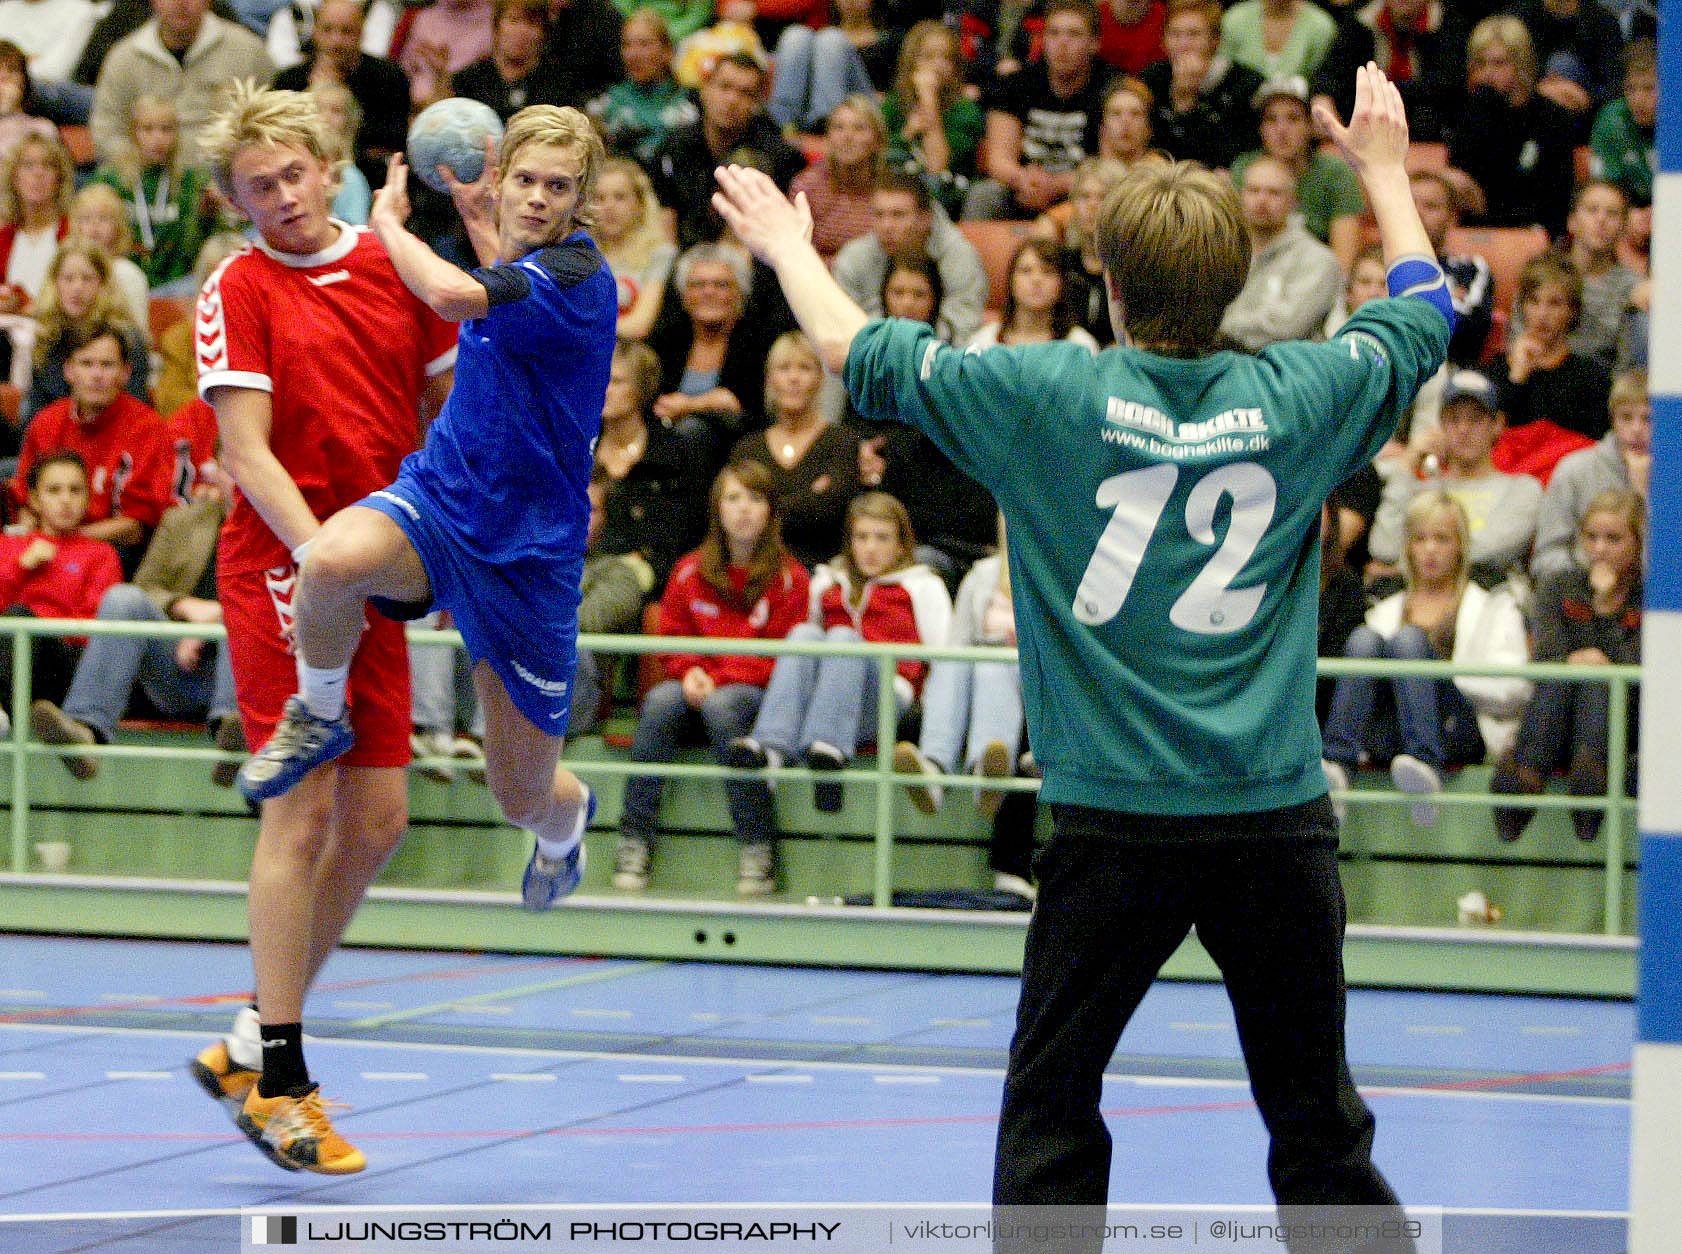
[453, 294]
[779, 233]
[1375, 143]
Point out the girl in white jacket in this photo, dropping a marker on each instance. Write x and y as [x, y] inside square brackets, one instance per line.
[1423, 726]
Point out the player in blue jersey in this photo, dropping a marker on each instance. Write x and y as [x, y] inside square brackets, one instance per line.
[1163, 504]
[489, 518]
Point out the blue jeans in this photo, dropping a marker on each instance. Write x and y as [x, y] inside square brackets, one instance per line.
[818, 698]
[666, 723]
[816, 70]
[441, 686]
[980, 701]
[111, 665]
[1427, 718]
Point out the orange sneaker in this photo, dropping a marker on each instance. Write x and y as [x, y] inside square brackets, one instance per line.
[295, 1131]
[221, 1077]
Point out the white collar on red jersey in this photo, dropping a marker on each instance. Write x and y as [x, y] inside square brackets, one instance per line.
[338, 250]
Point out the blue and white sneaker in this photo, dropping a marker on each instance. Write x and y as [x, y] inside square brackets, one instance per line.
[547, 880]
[300, 743]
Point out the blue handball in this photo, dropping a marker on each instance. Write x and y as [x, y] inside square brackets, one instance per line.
[451, 133]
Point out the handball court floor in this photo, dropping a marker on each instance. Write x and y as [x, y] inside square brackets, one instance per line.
[486, 1078]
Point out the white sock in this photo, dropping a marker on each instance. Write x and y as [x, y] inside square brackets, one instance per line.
[245, 1040]
[555, 848]
[323, 689]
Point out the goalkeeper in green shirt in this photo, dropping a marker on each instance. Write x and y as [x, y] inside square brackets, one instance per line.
[1163, 505]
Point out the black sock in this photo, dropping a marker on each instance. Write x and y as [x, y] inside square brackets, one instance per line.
[283, 1060]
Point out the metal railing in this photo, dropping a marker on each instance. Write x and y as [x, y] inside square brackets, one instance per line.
[1614, 804]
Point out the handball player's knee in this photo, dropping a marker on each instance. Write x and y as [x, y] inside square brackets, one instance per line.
[338, 560]
[523, 803]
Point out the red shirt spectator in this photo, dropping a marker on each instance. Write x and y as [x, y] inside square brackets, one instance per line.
[1130, 33]
[693, 607]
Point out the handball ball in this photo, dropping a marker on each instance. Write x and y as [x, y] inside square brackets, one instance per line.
[452, 133]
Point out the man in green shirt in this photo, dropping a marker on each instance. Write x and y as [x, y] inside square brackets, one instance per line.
[1163, 504]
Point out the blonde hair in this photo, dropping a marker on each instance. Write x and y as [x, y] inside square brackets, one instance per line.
[1423, 509]
[1106, 172]
[788, 344]
[1625, 503]
[881, 507]
[107, 306]
[560, 127]
[343, 144]
[1628, 388]
[634, 251]
[127, 156]
[642, 363]
[1172, 239]
[263, 117]
[104, 196]
[1511, 34]
[60, 155]
[905, 71]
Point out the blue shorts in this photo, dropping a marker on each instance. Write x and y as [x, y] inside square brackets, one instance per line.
[520, 617]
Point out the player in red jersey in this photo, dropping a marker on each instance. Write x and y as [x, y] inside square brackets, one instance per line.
[321, 367]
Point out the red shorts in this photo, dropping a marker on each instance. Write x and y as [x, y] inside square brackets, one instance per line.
[257, 610]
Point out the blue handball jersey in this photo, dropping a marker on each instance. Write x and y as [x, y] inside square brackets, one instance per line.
[1163, 517]
[507, 463]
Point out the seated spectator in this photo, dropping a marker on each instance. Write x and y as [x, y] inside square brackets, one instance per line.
[195, 442]
[681, 18]
[1578, 45]
[817, 69]
[732, 128]
[53, 569]
[903, 220]
[741, 584]
[342, 118]
[1278, 38]
[337, 53]
[733, 34]
[1043, 121]
[514, 74]
[1622, 461]
[1599, 214]
[1294, 279]
[640, 110]
[1343, 603]
[1540, 378]
[839, 187]
[171, 209]
[952, 514]
[17, 102]
[178, 375]
[1420, 45]
[655, 486]
[1621, 144]
[1421, 727]
[1328, 195]
[1586, 615]
[611, 592]
[80, 294]
[1368, 281]
[817, 709]
[97, 218]
[1470, 283]
[712, 359]
[1083, 269]
[446, 36]
[1501, 509]
[189, 678]
[584, 48]
[185, 54]
[1130, 33]
[972, 711]
[813, 463]
[1514, 144]
[1125, 135]
[629, 235]
[1037, 308]
[35, 187]
[1202, 110]
[934, 129]
[121, 441]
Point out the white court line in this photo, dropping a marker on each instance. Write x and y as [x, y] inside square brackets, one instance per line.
[23, 992]
[846, 1021]
[1435, 1029]
[462, 1008]
[905, 1079]
[1538, 1030]
[139, 1075]
[699, 1060]
[23, 1075]
[364, 1005]
[633, 1078]
[775, 1077]
[524, 1077]
[131, 997]
[586, 1012]
[960, 1023]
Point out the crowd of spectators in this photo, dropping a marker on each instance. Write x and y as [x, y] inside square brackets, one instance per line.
[911, 129]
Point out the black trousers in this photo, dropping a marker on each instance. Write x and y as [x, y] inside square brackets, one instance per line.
[52, 667]
[1117, 895]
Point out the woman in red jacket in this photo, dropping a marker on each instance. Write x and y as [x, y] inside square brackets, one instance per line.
[740, 584]
[53, 571]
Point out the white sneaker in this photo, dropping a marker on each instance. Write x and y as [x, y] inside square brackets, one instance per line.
[756, 869]
[1004, 882]
[433, 744]
[1419, 779]
[1337, 780]
[630, 864]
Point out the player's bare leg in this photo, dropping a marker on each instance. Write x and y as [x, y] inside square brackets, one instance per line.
[534, 791]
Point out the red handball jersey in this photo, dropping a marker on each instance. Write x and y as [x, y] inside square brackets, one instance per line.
[343, 348]
[126, 450]
[192, 444]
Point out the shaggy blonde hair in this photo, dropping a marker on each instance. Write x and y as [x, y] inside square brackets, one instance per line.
[1511, 34]
[263, 117]
[104, 196]
[635, 250]
[107, 306]
[788, 344]
[560, 127]
[1172, 239]
[60, 156]
[127, 157]
[1425, 508]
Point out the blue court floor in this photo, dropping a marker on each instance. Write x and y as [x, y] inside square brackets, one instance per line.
[484, 1078]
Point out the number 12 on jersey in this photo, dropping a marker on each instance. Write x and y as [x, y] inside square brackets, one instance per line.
[1210, 606]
